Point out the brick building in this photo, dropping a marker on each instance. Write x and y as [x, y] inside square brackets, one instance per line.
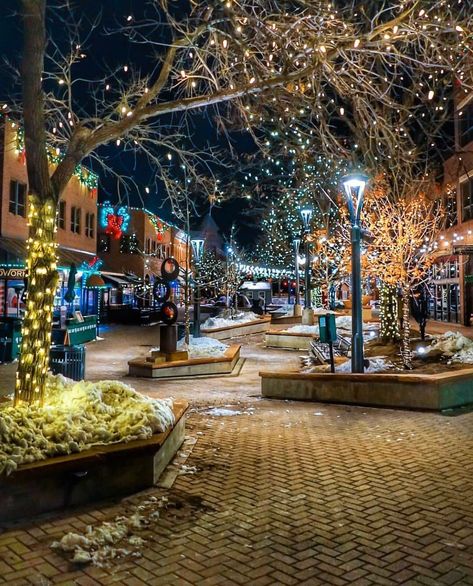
[452, 285]
[77, 220]
[134, 253]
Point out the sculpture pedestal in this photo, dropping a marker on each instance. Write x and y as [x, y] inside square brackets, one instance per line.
[307, 317]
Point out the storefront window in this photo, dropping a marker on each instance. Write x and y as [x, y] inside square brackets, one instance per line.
[445, 291]
[11, 292]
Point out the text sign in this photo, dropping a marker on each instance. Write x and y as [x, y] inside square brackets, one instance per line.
[12, 273]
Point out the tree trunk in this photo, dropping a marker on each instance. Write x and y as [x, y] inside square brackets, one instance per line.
[42, 282]
[389, 313]
[406, 330]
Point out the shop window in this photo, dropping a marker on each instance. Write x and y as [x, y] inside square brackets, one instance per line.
[75, 219]
[17, 204]
[103, 244]
[89, 225]
[465, 125]
[61, 216]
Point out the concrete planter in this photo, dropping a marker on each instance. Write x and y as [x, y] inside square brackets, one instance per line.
[99, 473]
[248, 328]
[182, 368]
[288, 340]
[409, 391]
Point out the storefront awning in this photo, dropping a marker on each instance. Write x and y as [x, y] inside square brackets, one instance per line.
[116, 280]
[66, 256]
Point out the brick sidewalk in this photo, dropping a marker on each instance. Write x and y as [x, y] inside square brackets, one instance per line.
[284, 493]
[292, 493]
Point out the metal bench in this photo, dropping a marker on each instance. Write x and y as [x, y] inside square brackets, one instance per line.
[320, 351]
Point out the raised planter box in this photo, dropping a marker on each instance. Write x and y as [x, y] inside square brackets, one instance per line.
[191, 367]
[289, 340]
[248, 328]
[99, 473]
[411, 391]
[285, 319]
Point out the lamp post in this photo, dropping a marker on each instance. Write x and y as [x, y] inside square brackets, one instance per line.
[297, 303]
[308, 315]
[197, 250]
[354, 186]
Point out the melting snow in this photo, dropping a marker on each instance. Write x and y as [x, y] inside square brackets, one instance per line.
[376, 365]
[75, 417]
[222, 412]
[455, 345]
[303, 330]
[222, 322]
[203, 347]
[110, 540]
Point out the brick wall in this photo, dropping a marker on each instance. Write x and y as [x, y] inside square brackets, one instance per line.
[75, 194]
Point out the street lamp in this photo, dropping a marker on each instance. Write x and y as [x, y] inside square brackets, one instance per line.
[306, 214]
[354, 186]
[197, 250]
[297, 303]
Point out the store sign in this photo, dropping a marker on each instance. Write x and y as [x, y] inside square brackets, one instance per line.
[465, 249]
[12, 273]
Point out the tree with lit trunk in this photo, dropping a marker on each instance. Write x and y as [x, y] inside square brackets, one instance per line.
[401, 250]
[240, 61]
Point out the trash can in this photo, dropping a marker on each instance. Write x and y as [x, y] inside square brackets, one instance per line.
[68, 361]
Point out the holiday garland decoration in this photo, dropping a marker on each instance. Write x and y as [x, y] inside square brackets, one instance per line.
[55, 156]
[159, 226]
[115, 223]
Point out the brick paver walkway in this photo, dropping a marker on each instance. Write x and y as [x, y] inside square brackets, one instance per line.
[286, 493]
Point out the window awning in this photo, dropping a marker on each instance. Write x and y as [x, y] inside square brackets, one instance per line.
[116, 280]
[66, 256]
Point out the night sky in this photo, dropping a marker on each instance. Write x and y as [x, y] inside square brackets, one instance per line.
[110, 51]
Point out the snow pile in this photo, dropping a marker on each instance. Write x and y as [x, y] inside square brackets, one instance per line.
[75, 417]
[203, 347]
[314, 330]
[344, 323]
[213, 323]
[112, 539]
[454, 345]
[375, 365]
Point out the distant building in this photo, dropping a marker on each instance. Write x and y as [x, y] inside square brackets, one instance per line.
[77, 222]
[210, 232]
[132, 243]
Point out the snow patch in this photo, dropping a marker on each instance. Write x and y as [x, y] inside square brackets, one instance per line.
[454, 345]
[375, 365]
[213, 323]
[75, 417]
[111, 540]
[222, 412]
[203, 347]
[314, 330]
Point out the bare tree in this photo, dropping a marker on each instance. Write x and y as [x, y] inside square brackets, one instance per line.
[402, 246]
[284, 59]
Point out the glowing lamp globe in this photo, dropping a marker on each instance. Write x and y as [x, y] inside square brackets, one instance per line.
[354, 186]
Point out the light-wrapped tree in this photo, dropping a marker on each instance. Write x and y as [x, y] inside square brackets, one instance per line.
[280, 57]
[403, 228]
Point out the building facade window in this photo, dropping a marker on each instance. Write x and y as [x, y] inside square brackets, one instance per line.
[61, 216]
[17, 204]
[90, 225]
[466, 192]
[75, 219]
[103, 244]
[465, 125]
